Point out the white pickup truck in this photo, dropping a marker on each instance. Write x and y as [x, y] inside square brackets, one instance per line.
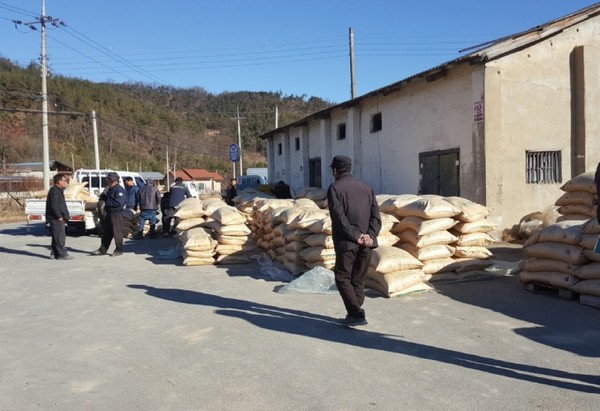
[35, 210]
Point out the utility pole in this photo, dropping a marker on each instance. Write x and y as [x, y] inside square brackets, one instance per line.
[239, 130]
[44, 72]
[352, 87]
[276, 117]
[96, 149]
[168, 185]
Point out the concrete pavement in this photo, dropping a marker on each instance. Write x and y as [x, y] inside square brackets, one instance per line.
[138, 333]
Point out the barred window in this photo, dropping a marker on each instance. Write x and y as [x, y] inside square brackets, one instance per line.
[543, 167]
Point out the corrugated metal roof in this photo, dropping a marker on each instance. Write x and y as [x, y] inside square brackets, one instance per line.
[483, 53]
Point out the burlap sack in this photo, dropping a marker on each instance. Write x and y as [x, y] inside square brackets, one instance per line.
[583, 182]
[423, 226]
[469, 210]
[557, 251]
[197, 239]
[391, 283]
[560, 280]
[386, 259]
[576, 197]
[546, 264]
[319, 240]
[420, 241]
[228, 215]
[479, 226]
[428, 207]
[589, 271]
[587, 287]
[190, 208]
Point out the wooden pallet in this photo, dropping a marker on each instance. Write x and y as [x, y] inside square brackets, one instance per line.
[552, 291]
[591, 300]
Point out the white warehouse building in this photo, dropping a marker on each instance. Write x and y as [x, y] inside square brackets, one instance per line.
[506, 125]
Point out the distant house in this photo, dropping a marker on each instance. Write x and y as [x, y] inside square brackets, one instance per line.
[203, 179]
[505, 125]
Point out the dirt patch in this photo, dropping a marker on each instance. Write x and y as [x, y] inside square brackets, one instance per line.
[11, 211]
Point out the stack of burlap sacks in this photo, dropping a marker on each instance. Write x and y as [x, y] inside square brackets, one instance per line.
[414, 242]
[562, 254]
[211, 232]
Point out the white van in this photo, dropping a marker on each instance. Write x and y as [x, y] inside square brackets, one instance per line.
[96, 179]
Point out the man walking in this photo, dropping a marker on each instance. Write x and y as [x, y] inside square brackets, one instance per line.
[177, 194]
[147, 200]
[57, 216]
[355, 224]
[114, 197]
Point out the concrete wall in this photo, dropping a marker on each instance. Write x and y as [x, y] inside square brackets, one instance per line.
[529, 101]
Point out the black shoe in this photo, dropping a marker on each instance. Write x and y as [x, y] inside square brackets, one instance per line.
[99, 251]
[65, 257]
[117, 253]
[353, 321]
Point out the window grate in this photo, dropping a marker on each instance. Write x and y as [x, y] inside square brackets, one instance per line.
[543, 167]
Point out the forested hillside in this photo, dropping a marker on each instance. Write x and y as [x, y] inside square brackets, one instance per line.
[136, 122]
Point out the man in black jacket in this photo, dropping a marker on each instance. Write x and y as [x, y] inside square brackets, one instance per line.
[355, 223]
[177, 194]
[147, 201]
[114, 197]
[57, 216]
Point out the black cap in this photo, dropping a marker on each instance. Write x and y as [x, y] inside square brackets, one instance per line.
[112, 176]
[341, 163]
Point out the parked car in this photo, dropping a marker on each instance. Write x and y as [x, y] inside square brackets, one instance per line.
[96, 179]
[251, 181]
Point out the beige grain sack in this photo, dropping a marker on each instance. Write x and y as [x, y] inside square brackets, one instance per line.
[591, 255]
[423, 226]
[587, 287]
[190, 223]
[591, 226]
[430, 252]
[198, 254]
[232, 239]
[569, 253]
[190, 208]
[475, 239]
[588, 241]
[388, 221]
[566, 232]
[590, 271]
[578, 209]
[195, 261]
[319, 240]
[469, 210]
[296, 246]
[297, 235]
[227, 249]
[387, 239]
[576, 197]
[393, 282]
[290, 215]
[317, 253]
[546, 264]
[321, 226]
[437, 265]
[583, 182]
[573, 217]
[308, 217]
[305, 203]
[428, 207]
[389, 203]
[555, 279]
[420, 241]
[472, 252]
[386, 259]
[468, 264]
[479, 226]
[211, 204]
[228, 215]
[197, 239]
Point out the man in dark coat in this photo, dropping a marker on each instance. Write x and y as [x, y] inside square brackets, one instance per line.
[147, 201]
[57, 216]
[355, 222]
[114, 197]
[597, 181]
[231, 192]
[177, 194]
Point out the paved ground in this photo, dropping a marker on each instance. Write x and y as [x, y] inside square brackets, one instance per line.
[138, 333]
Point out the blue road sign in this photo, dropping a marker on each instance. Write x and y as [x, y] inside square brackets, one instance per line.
[234, 153]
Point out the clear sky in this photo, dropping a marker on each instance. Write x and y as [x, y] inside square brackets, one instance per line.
[293, 47]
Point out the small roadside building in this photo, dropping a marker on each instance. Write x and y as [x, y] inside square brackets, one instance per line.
[203, 179]
[504, 125]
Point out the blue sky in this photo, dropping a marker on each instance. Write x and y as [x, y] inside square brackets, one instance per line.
[293, 47]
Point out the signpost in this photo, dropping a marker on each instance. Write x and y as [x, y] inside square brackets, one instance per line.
[234, 155]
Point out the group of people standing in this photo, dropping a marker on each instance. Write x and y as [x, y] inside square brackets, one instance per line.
[112, 204]
[354, 212]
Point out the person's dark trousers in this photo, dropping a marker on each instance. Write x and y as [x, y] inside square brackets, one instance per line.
[59, 238]
[168, 214]
[350, 276]
[112, 227]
